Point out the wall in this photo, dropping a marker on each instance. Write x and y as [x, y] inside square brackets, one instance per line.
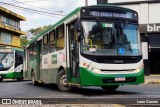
[15, 40]
[154, 16]
[147, 11]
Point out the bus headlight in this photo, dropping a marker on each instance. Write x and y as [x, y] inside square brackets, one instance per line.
[93, 69]
[139, 68]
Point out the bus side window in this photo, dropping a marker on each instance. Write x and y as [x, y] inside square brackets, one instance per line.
[60, 38]
[31, 51]
[34, 53]
[45, 44]
[52, 42]
[21, 58]
[16, 59]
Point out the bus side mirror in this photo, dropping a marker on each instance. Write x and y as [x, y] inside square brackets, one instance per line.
[77, 26]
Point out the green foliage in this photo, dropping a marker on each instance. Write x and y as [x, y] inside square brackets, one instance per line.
[38, 30]
[23, 40]
[34, 32]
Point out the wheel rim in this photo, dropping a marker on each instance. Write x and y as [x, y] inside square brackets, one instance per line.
[63, 80]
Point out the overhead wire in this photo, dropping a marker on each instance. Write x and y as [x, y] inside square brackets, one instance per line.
[33, 0]
[32, 10]
[35, 6]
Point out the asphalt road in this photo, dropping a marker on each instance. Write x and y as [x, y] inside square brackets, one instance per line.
[14, 89]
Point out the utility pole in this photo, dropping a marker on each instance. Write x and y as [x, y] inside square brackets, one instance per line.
[86, 2]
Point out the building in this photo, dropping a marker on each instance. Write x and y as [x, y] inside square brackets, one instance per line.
[10, 30]
[149, 24]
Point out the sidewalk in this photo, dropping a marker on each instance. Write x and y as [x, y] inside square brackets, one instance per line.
[152, 79]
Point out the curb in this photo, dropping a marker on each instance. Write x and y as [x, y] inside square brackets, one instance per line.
[153, 82]
[152, 79]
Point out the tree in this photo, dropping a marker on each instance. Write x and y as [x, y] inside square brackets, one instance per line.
[23, 40]
[31, 34]
[38, 30]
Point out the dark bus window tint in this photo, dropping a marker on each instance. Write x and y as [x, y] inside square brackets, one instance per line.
[34, 51]
[45, 44]
[31, 51]
[18, 58]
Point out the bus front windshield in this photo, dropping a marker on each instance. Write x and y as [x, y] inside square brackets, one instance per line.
[110, 38]
[6, 60]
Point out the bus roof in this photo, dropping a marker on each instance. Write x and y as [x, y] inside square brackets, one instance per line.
[17, 49]
[65, 18]
[53, 26]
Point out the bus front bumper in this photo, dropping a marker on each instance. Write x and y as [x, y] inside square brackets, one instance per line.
[89, 78]
[10, 75]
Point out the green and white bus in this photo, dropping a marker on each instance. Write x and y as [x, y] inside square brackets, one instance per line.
[92, 46]
[11, 63]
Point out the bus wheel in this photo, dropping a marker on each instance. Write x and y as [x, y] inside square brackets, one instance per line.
[62, 81]
[1, 79]
[21, 79]
[33, 80]
[18, 79]
[110, 88]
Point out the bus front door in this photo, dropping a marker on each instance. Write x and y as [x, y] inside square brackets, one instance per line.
[73, 55]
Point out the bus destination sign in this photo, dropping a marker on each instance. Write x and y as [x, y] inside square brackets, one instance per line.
[5, 50]
[110, 14]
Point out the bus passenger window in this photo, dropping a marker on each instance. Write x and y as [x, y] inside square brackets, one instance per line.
[45, 44]
[31, 50]
[34, 53]
[52, 42]
[60, 38]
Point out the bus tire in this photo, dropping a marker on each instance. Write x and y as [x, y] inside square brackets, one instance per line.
[18, 79]
[33, 80]
[62, 81]
[1, 79]
[110, 88]
[21, 79]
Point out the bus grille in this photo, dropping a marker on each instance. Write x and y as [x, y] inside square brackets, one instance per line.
[118, 60]
[113, 59]
[122, 71]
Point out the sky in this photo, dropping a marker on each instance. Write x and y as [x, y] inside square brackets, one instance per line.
[34, 20]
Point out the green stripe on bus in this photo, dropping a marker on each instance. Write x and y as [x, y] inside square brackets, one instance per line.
[11, 75]
[89, 78]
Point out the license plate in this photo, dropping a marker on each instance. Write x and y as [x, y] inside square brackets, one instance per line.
[120, 78]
